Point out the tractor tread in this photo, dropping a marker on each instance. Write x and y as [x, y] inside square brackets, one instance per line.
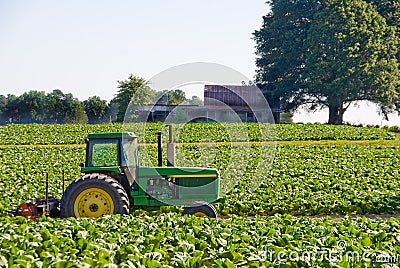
[122, 199]
[201, 206]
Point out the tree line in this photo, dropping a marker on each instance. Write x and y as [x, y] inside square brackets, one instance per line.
[39, 107]
[57, 107]
[330, 54]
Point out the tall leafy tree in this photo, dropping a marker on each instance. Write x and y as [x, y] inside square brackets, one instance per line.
[112, 110]
[280, 48]
[177, 97]
[351, 56]
[132, 93]
[96, 109]
[74, 111]
[171, 97]
[32, 107]
[3, 116]
[55, 108]
[10, 109]
[294, 31]
[389, 9]
[195, 100]
[64, 108]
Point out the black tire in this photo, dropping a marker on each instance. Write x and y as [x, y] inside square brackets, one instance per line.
[54, 213]
[200, 209]
[99, 194]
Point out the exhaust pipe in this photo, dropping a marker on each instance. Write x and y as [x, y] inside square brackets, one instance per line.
[159, 148]
[170, 148]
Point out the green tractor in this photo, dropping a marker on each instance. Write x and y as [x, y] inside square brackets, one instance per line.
[113, 183]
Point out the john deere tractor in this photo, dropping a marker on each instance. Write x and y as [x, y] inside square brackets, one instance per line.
[114, 183]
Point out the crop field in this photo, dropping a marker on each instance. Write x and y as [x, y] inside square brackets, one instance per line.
[75, 134]
[170, 240]
[283, 221]
[302, 180]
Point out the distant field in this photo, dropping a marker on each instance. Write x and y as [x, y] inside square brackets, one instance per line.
[75, 134]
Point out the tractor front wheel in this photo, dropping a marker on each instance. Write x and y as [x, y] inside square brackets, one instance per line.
[94, 195]
[200, 209]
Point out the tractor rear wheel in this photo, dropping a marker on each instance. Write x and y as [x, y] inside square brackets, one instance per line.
[200, 209]
[94, 195]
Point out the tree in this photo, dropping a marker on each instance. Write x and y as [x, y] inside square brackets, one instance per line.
[134, 90]
[55, 109]
[11, 109]
[32, 107]
[112, 110]
[286, 61]
[389, 9]
[280, 49]
[74, 111]
[64, 108]
[3, 116]
[195, 100]
[170, 97]
[176, 97]
[95, 109]
[351, 56]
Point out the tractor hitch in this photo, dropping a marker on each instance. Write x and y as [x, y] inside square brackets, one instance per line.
[36, 208]
[47, 205]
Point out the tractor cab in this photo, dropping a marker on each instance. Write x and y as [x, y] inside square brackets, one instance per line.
[112, 153]
[111, 150]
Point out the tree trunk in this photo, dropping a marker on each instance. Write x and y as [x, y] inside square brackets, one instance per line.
[333, 114]
[340, 115]
[336, 112]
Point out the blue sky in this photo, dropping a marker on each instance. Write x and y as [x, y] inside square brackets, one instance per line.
[84, 47]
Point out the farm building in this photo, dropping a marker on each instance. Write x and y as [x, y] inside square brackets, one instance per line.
[244, 100]
[221, 102]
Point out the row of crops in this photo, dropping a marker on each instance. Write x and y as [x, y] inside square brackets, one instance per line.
[192, 132]
[170, 240]
[301, 180]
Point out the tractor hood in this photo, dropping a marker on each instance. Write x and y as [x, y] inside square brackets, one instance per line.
[177, 172]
